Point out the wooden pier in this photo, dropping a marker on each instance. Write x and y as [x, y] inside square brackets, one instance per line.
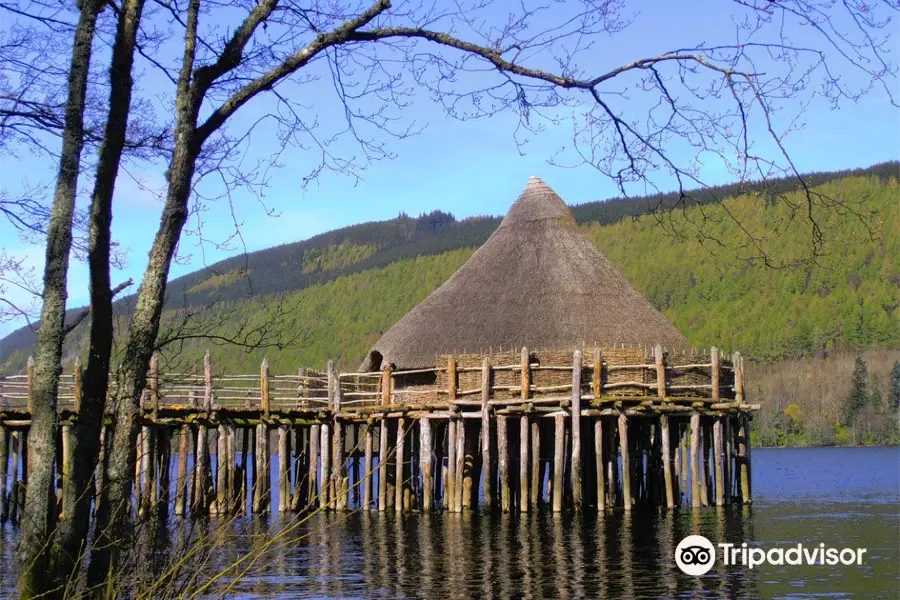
[593, 429]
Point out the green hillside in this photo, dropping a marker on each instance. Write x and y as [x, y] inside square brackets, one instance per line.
[333, 295]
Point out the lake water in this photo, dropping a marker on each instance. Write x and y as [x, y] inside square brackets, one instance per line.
[839, 497]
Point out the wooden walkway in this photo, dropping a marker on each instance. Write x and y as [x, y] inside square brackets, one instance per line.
[591, 429]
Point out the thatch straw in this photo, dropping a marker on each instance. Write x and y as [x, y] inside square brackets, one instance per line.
[539, 282]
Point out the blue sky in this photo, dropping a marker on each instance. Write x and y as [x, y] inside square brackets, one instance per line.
[467, 168]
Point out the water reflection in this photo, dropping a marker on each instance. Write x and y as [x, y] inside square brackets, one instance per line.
[465, 555]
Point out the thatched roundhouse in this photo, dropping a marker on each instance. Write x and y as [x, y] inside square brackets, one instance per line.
[538, 281]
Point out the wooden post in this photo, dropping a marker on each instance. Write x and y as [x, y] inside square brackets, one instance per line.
[486, 468]
[559, 465]
[367, 467]
[399, 464]
[535, 464]
[425, 453]
[153, 386]
[201, 464]
[325, 490]
[382, 464]
[450, 488]
[264, 388]
[76, 385]
[728, 450]
[231, 484]
[695, 459]
[181, 477]
[667, 460]
[338, 467]
[597, 381]
[4, 461]
[626, 460]
[503, 455]
[222, 468]
[705, 435]
[714, 372]
[737, 363]
[600, 467]
[16, 441]
[660, 371]
[719, 458]
[284, 469]
[29, 381]
[525, 368]
[312, 496]
[577, 499]
[459, 488]
[68, 462]
[524, 480]
[386, 396]
[744, 451]
[301, 467]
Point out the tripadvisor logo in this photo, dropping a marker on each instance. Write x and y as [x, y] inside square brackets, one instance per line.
[695, 555]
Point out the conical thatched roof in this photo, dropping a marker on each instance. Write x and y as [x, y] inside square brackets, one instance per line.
[539, 282]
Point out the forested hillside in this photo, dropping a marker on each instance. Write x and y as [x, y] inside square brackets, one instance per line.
[333, 295]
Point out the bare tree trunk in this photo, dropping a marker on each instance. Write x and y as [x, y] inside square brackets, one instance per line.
[73, 531]
[114, 512]
[39, 514]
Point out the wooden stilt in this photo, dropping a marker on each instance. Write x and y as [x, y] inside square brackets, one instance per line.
[685, 457]
[719, 458]
[450, 490]
[612, 467]
[16, 440]
[559, 465]
[600, 463]
[325, 459]
[524, 479]
[4, 463]
[425, 453]
[459, 485]
[667, 460]
[247, 466]
[695, 459]
[301, 468]
[705, 435]
[399, 464]
[470, 478]
[284, 469]
[164, 462]
[382, 465]
[339, 468]
[201, 500]
[626, 461]
[231, 483]
[503, 457]
[535, 464]
[313, 481]
[676, 464]
[744, 451]
[367, 467]
[222, 469]
[577, 500]
[728, 451]
[487, 474]
[184, 440]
